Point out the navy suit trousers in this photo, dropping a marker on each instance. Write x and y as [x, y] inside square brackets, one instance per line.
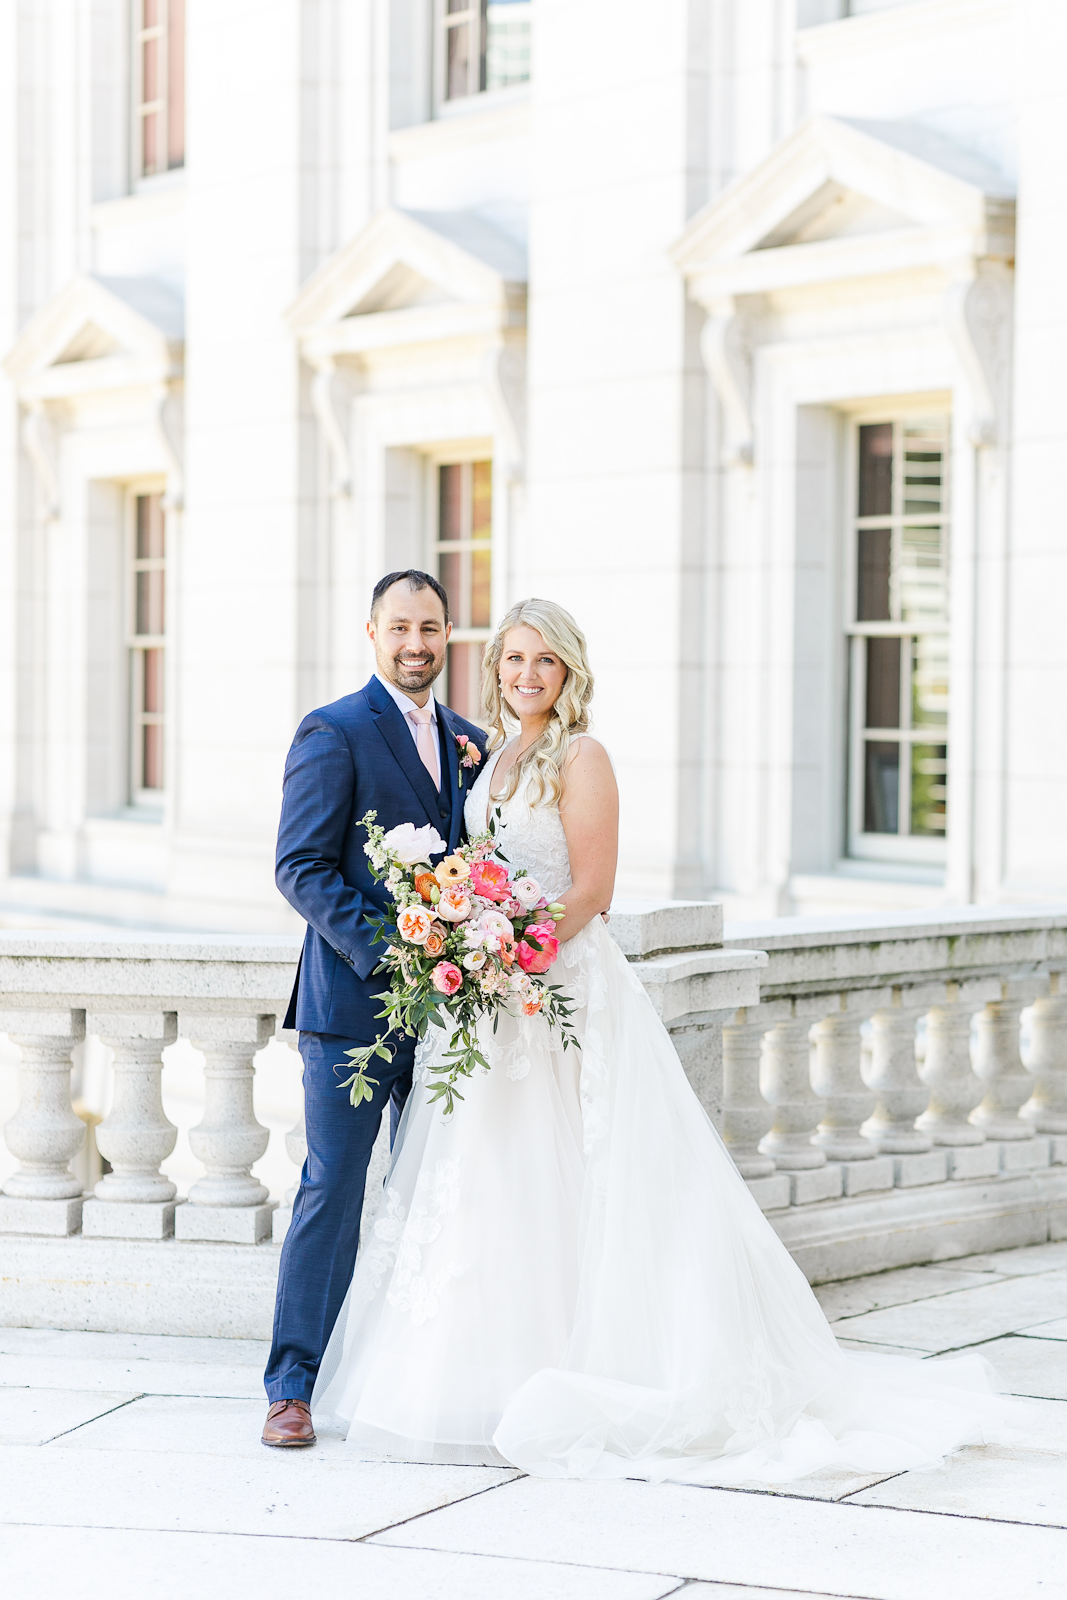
[319, 1252]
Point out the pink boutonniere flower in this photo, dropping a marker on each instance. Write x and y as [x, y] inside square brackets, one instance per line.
[469, 754]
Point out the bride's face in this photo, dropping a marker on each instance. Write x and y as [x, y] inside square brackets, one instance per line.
[531, 675]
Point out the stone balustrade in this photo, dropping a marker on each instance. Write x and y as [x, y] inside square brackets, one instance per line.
[866, 1074]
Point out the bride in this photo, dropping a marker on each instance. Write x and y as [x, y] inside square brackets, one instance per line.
[569, 1274]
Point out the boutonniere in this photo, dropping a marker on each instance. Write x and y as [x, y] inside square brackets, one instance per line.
[468, 752]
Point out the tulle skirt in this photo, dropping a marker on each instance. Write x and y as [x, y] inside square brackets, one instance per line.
[569, 1275]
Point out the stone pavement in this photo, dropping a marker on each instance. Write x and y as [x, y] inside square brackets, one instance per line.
[130, 1465]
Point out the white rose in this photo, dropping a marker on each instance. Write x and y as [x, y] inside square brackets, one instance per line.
[527, 892]
[412, 846]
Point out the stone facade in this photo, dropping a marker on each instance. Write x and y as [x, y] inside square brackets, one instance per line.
[670, 282]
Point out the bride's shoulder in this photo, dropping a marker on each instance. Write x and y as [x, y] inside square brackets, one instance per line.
[587, 763]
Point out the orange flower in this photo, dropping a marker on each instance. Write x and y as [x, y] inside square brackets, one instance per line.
[424, 882]
[434, 942]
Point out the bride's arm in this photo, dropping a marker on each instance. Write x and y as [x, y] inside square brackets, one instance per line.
[589, 811]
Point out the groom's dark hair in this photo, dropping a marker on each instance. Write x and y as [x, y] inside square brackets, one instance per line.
[415, 580]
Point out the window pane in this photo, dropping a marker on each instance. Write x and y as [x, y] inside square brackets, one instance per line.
[929, 681]
[480, 586]
[923, 461]
[150, 141]
[876, 469]
[881, 790]
[507, 43]
[150, 527]
[464, 679]
[149, 618]
[151, 13]
[149, 71]
[176, 83]
[450, 514]
[152, 681]
[450, 571]
[929, 767]
[460, 56]
[872, 597]
[481, 500]
[883, 683]
[922, 575]
[152, 756]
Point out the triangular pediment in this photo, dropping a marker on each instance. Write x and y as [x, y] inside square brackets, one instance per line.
[401, 261]
[97, 323]
[837, 179]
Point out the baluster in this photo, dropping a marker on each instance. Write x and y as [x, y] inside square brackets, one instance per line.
[296, 1148]
[746, 1116]
[785, 1083]
[835, 1077]
[894, 1077]
[947, 1073]
[43, 1196]
[134, 1200]
[1046, 1109]
[999, 1066]
[227, 1204]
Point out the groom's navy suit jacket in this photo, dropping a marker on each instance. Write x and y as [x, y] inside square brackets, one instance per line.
[354, 756]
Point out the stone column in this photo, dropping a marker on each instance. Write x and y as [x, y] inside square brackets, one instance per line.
[746, 1116]
[999, 1066]
[134, 1200]
[227, 1204]
[836, 1079]
[1046, 1109]
[43, 1196]
[895, 1080]
[785, 1083]
[947, 1073]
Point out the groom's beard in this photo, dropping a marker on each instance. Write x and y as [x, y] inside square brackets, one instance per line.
[413, 677]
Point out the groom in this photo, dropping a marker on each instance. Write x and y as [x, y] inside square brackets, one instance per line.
[390, 748]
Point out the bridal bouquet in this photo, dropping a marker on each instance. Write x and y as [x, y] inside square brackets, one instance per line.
[471, 938]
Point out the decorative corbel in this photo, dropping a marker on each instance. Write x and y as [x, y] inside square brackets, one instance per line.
[978, 317]
[504, 368]
[725, 344]
[169, 423]
[329, 417]
[38, 436]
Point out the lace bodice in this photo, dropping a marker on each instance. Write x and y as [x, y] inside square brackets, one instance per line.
[530, 836]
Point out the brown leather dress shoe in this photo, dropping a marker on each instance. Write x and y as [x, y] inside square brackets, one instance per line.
[289, 1422]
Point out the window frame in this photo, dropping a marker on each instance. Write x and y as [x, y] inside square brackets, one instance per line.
[136, 646]
[484, 96]
[461, 454]
[160, 106]
[903, 849]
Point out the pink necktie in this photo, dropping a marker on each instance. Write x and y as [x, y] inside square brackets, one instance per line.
[425, 743]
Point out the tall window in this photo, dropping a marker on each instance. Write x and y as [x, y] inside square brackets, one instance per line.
[159, 85]
[899, 640]
[147, 596]
[464, 566]
[485, 44]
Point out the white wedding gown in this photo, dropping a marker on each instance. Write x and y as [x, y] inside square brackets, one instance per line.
[570, 1275]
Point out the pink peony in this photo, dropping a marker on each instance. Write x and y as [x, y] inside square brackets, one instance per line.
[490, 879]
[446, 977]
[512, 908]
[413, 924]
[532, 959]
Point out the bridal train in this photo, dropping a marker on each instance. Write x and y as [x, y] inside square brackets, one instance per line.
[569, 1274]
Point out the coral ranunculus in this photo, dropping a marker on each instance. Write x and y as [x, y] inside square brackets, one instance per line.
[446, 977]
[490, 880]
[532, 959]
[425, 883]
[414, 924]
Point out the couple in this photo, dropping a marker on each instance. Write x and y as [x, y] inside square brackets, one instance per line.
[568, 1274]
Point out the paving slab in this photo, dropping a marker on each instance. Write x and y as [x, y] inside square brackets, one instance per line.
[764, 1541]
[743, 1591]
[1002, 1483]
[33, 1416]
[953, 1321]
[82, 1563]
[1028, 1365]
[134, 1347]
[1048, 1330]
[870, 1348]
[132, 1376]
[854, 1296]
[1027, 1259]
[282, 1492]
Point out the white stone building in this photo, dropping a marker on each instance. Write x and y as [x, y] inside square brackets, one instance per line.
[701, 318]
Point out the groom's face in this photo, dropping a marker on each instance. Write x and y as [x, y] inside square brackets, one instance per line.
[409, 634]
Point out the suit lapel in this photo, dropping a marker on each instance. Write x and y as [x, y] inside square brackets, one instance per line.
[450, 756]
[394, 730]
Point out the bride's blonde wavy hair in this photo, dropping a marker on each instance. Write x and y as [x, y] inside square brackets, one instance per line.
[540, 767]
